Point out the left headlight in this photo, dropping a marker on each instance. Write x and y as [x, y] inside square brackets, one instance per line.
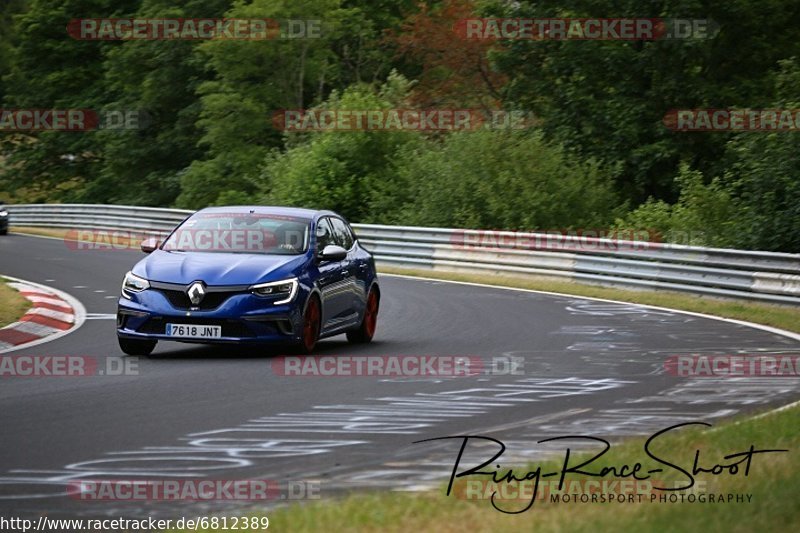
[285, 289]
[3, 214]
[133, 283]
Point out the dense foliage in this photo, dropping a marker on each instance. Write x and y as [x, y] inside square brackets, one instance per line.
[596, 155]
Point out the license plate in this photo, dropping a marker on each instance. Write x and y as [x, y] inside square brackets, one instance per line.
[194, 331]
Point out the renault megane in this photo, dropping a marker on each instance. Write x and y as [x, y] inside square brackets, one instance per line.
[250, 275]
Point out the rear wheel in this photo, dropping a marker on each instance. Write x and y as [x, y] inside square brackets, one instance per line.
[366, 330]
[136, 346]
[311, 325]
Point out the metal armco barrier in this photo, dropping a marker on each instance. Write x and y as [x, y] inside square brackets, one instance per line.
[762, 276]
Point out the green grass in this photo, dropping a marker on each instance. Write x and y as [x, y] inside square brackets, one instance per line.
[12, 304]
[42, 232]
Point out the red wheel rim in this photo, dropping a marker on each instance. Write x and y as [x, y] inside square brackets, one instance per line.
[311, 325]
[371, 314]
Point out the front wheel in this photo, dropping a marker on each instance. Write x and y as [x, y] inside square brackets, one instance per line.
[366, 330]
[312, 319]
[136, 346]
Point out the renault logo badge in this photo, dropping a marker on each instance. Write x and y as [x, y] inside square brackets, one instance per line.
[196, 292]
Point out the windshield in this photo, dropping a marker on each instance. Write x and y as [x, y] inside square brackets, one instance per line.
[241, 233]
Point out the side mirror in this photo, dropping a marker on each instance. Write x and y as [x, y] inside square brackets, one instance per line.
[333, 253]
[149, 245]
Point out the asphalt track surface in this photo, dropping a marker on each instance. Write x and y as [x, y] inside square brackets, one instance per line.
[582, 367]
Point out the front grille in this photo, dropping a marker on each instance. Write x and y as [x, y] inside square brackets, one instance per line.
[230, 328]
[180, 300]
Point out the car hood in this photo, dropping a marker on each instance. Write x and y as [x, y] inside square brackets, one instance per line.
[216, 268]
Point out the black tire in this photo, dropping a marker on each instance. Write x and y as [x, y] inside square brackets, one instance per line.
[366, 330]
[312, 323]
[136, 346]
[3, 231]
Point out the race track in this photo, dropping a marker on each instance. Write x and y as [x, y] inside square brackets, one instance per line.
[583, 366]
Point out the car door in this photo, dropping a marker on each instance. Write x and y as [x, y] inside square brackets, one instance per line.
[355, 297]
[332, 281]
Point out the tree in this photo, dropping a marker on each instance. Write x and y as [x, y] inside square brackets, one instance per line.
[763, 173]
[255, 79]
[351, 172]
[606, 99]
[50, 70]
[158, 79]
[452, 70]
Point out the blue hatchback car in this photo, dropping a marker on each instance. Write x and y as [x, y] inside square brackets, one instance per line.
[250, 275]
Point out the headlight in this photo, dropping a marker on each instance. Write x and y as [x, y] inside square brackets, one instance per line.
[133, 283]
[285, 290]
[3, 214]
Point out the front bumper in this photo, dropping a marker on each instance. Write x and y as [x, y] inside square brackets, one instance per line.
[244, 318]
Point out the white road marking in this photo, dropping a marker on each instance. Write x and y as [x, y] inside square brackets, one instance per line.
[100, 316]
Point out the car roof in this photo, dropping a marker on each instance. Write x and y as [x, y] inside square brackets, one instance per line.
[269, 210]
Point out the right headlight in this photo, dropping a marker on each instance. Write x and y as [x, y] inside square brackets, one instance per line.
[3, 214]
[133, 283]
[285, 290]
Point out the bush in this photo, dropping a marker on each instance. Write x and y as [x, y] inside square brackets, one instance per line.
[343, 171]
[704, 214]
[502, 179]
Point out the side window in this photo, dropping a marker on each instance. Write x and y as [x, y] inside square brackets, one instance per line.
[324, 234]
[342, 234]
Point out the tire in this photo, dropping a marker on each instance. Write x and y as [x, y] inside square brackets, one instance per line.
[312, 319]
[3, 231]
[366, 330]
[136, 346]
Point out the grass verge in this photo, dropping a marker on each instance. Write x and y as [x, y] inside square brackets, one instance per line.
[43, 232]
[12, 304]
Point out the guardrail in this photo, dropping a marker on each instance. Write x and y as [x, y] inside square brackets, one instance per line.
[762, 276]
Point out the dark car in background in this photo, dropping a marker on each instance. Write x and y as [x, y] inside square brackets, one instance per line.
[3, 219]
